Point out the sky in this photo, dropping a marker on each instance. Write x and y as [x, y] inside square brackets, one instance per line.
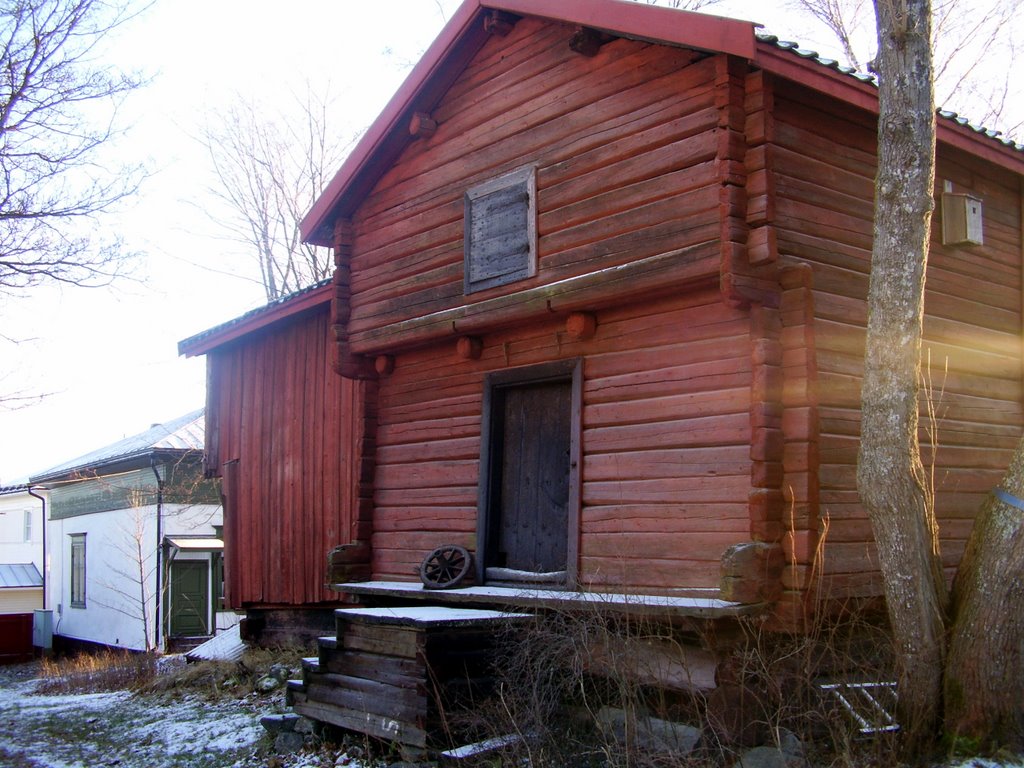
[107, 357]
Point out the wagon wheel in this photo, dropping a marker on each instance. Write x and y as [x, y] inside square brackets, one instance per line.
[445, 567]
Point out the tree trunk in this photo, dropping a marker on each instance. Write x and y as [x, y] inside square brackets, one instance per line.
[985, 672]
[890, 476]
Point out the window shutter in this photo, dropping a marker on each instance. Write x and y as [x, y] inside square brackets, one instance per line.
[500, 234]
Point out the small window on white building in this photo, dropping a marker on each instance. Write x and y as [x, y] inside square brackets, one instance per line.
[78, 570]
[501, 231]
[28, 525]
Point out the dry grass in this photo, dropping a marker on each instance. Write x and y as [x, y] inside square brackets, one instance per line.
[112, 670]
[118, 670]
[218, 680]
[548, 694]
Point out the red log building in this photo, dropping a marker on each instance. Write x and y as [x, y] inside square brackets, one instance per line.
[598, 317]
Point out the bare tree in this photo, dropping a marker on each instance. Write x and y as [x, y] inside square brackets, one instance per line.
[975, 690]
[268, 169]
[57, 111]
[129, 588]
[841, 18]
[890, 475]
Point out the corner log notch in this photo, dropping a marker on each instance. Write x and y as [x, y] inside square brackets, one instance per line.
[740, 123]
[587, 42]
[343, 361]
[749, 279]
[499, 23]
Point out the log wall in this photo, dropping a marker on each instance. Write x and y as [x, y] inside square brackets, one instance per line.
[625, 145]
[824, 164]
[666, 442]
[286, 432]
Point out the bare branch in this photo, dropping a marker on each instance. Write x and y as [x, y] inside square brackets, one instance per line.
[53, 183]
[267, 171]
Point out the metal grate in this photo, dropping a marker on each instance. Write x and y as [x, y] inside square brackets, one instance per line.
[870, 705]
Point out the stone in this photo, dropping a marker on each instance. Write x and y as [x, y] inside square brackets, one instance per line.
[649, 733]
[280, 672]
[769, 757]
[267, 684]
[280, 723]
[288, 741]
[790, 745]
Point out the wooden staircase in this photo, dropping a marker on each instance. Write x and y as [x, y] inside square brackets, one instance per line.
[400, 673]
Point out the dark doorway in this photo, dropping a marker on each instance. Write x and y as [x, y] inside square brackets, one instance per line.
[529, 487]
[190, 603]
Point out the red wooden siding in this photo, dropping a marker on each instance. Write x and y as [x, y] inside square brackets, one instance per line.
[823, 165]
[666, 443]
[625, 146]
[293, 427]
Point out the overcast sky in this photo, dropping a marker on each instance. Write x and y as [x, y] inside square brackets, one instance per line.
[108, 357]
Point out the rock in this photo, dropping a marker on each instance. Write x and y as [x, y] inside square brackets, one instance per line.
[288, 741]
[280, 672]
[280, 723]
[769, 757]
[791, 745]
[267, 684]
[649, 733]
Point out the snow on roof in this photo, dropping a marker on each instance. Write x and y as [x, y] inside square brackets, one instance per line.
[179, 435]
[196, 544]
[19, 576]
[224, 646]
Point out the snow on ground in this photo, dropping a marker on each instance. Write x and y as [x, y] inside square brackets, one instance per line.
[84, 730]
[127, 731]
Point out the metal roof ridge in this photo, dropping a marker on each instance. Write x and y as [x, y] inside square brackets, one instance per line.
[148, 442]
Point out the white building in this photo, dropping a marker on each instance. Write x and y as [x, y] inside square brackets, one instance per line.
[134, 542]
[21, 569]
[21, 550]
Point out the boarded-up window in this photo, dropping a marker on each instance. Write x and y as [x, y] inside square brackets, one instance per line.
[501, 232]
[78, 570]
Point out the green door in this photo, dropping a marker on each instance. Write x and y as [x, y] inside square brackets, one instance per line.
[190, 598]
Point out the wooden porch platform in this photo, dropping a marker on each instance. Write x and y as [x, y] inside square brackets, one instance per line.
[394, 672]
[687, 603]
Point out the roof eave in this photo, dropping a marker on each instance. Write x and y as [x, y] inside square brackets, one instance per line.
[209, 340]
[98, 468]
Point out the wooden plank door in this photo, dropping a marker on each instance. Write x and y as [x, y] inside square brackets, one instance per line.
[532, 515]
[190, 598]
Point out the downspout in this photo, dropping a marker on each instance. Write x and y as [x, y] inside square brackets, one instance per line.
[159, 549]
[46, 570]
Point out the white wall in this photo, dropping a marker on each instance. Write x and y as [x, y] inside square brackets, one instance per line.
[114, 588]
[13, 546]
[16, 548]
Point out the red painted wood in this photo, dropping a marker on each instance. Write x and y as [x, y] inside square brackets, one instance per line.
[287, 420]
